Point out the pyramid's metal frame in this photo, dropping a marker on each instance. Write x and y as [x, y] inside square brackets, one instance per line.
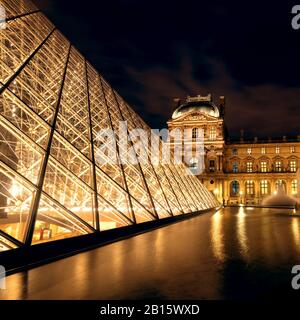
[52, 104]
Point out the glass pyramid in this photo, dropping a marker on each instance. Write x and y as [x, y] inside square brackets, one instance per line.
[53, 184]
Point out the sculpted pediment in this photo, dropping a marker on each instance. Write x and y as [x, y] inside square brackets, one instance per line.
[195, 116]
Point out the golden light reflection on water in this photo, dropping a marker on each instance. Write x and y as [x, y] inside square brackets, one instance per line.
[217, 236]
[296, 232]
[188, 259]
[242, 233]
[117, 260]
[16, 285]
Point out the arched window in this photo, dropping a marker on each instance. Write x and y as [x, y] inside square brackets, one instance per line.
[195, 133]
[234, 188]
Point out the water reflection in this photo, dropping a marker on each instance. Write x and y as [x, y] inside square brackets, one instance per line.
[233, 253]
[242, 233]
[296, 232]
[217, 236]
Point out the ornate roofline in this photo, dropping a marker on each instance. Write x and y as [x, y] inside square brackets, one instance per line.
[195, 115]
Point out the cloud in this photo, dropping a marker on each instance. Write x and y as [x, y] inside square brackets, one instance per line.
[262, 110]
[159, 60]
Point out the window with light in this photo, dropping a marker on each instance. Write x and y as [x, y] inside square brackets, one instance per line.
[264, 187]
[249, 166]
[250, 187]
[263, 166]
[278, 166]
[293, 166]
[294, 186]
[212, 133]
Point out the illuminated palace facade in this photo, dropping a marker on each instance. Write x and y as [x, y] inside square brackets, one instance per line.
[53, 104]
[237, 172]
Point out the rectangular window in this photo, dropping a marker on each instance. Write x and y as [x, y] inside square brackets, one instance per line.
[234, 152]
[293, 166]
[249, 167]
[211, 165]
[294, 186]
[263, 166]
[195, 133]
[249, 151]
[277, 150]
[235, 167]
[250, 187]
[263, 150]
[264, 187]
[212, 133]
[292, 149]
[278, 166]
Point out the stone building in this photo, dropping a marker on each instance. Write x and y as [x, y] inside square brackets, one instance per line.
[237, 172]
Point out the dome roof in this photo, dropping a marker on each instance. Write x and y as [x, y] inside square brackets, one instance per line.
[206, 107]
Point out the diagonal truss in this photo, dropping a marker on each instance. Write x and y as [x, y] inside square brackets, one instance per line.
[53, 185]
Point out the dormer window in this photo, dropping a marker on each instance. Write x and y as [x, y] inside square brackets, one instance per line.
[234, 152]
[292, 149]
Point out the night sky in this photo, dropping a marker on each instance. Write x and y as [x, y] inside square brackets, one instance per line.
[153, 51]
